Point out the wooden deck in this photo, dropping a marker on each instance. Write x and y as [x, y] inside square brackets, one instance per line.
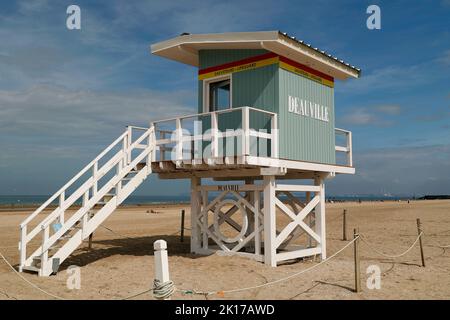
[241, 168]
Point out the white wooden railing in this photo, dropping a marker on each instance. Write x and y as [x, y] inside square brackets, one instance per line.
[174, 139]
[119, 156]
[348, 145]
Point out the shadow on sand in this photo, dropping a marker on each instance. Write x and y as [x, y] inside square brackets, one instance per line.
[139, 246]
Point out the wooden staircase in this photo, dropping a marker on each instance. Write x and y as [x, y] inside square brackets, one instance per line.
[94, 194]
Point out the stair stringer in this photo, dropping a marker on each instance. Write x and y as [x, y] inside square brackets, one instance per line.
[72, 244]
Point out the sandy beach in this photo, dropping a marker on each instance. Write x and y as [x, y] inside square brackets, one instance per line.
[121, 261]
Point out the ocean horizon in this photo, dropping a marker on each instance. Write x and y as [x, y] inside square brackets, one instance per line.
[20, 200]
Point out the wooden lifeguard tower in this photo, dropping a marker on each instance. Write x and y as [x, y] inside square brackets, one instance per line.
[265, 117]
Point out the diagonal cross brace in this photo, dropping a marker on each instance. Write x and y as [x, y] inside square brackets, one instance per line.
[297, 221]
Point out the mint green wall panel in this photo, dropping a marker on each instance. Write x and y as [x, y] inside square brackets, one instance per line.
[212, 58]
[256, 88]
[301, 137]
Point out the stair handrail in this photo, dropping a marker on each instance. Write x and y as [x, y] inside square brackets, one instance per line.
[71, 181]
[47, 221]
[77, 216]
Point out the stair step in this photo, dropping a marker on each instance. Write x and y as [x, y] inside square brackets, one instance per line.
[74, 231]
[31, 268]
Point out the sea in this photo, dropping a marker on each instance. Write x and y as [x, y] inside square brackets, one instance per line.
[32, 200]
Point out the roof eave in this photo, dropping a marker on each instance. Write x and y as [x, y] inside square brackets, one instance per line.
[182, 49]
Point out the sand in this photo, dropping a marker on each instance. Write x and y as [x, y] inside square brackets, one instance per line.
[121, 263]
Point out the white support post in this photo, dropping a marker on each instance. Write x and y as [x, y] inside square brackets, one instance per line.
[195, 210]
[257, 206]
[62, 197]
[250, 195]
[205, 221]
[246, 131]
[274, 140]
[320, 217]
[44, 254]
[161, 262]
[179, 141]
[269, 221]
[308, 199]
[23, 247]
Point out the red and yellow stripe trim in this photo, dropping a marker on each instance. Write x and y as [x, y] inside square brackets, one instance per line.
[265, 60]
[241, 65]
[306, 72]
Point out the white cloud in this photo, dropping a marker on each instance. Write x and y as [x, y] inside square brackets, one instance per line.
[360, 117]
[375, 115]
[400, 170]
[445, 59]
[389, 109]
[47, 110]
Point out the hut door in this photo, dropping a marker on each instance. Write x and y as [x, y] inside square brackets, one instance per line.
[219, 95]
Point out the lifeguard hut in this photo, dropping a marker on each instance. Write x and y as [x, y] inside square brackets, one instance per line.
[265, 122]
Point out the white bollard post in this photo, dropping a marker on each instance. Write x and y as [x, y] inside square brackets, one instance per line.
[161, 262]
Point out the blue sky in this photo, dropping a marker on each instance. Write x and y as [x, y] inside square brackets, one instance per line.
[64, 95]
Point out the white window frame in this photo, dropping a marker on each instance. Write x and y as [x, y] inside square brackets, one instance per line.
[206, 84]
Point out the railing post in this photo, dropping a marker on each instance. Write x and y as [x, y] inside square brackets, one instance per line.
[85, 217]
[124, 149]
[246, 131]
[349, 149]
[153, 140]
[129, 141]
[23, 247]
[119, 168]
[149, 144]
[162, 150]
[214, 136]
[179, 141]
[62, 197]
[274, 140]
[94, 177]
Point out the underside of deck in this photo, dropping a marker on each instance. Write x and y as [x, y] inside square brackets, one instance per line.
[238, 168]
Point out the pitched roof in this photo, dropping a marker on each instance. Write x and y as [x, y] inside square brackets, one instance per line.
[185, 48]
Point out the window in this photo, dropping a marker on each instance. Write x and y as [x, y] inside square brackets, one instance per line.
[219, 95]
